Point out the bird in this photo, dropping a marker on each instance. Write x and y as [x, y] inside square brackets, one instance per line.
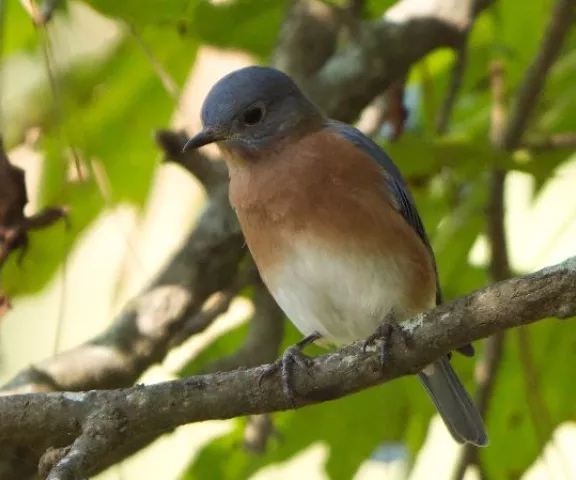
[330, 223]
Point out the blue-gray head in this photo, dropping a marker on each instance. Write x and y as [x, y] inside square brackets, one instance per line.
[252, 108]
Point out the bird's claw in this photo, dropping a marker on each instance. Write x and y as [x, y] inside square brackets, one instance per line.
[292, 357]
[384, 333]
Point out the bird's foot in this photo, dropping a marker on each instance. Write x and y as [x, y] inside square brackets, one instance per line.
[384, 335]
[291, 358]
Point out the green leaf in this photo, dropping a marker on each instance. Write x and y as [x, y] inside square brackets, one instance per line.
[153, 12]
[110, 113]
[514, 439]
[19, 34]
[250, 25]
[519, 30]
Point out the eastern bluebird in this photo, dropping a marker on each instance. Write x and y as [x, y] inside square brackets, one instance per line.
[330, 223]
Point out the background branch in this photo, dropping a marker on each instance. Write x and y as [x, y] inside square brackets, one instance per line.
[265, 333]
[211, 174]
[381, 52]
[457, 75]
[499, 268]
[141, 334]
[506, 134]
[307, 38]
[559, 140]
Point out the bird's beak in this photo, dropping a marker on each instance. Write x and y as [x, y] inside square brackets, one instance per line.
[204, 137]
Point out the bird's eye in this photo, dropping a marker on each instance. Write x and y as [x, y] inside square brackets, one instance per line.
[253, 115]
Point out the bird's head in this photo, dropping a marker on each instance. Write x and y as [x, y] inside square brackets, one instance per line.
[252, 109]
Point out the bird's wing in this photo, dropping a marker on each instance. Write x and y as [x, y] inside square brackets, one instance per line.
[405, 202]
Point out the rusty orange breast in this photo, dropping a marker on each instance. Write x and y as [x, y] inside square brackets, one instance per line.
[321, 186]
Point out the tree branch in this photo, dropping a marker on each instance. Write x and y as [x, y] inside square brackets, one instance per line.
[384, 50]
[141, 334]
[456, 77]
[212, 174]
[96, 423]
[265, 333]
[343, 81]
[307, 38]
[14, 225]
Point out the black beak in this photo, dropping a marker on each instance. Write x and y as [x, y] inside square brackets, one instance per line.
[204, 137]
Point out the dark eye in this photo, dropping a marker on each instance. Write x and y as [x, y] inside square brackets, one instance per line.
[253, 115]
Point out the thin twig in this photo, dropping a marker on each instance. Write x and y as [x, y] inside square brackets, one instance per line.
[32, 11]
[47, 10]
[553, 142]
[65, 134]
[259, 429]
[456, 77]
[560, 23]
[499, 268]
[58, 101]
[498, 114]
[212, 174]
[396, 112]
[43, 14]
[166, 79]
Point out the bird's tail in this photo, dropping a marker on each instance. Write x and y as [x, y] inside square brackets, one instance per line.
[455, 406]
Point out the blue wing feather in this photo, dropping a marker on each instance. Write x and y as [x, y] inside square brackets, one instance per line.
[399, 189]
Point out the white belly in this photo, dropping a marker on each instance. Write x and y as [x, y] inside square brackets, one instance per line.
[340, 295]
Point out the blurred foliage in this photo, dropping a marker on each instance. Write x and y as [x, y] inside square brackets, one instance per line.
[110, 104]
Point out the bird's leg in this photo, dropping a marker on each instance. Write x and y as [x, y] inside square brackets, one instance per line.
[291, 357]
[385, 331]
